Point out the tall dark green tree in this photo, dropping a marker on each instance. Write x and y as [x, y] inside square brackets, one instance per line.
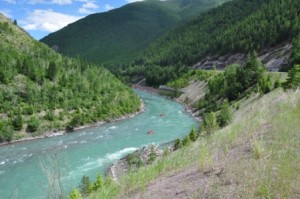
[51, 71]
[3, 79]
[295, 57]
[252, 71]
[85, 186]
[293, 80]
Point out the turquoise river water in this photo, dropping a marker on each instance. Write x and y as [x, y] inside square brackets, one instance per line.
[88, 151]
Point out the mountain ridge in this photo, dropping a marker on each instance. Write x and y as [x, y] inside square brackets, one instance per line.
[117, 36]
[234, 27]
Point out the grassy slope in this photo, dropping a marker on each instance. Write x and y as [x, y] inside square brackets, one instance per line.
[119, 35]
[255, 156]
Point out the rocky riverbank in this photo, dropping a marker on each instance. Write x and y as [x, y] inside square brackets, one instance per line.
[131, 162]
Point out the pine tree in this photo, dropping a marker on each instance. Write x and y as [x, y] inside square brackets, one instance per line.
[51, 71]
[99, 182]
[85, 186]
[253, 71]
[293, 80]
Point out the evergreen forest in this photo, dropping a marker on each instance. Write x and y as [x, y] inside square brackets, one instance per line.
[42, 91]
[237, 26]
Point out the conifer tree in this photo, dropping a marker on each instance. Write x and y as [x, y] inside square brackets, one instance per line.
[293, 80]
[51, 71]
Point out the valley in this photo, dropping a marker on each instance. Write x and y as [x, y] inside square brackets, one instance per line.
[233, 66]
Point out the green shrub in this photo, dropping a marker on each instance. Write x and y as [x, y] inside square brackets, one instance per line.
[265, 84]
[75, 194]
[49, 115]
[17, 122]
[6, 132]
[152, 155]
[186, 141]
[33, 124]
[277, 83]
[75, 121]
[99, 182]
[166, 152]
[210, 123]
[193, 135]
[178, 144]
[28, 110]
[225, 114]
[134, 159]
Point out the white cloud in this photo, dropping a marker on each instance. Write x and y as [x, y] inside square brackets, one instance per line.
[60, 2]
[47, 20]
[36, 1]
[108, 7]
[88, 7]
[84, 11]
[10, 1]
[131, 1]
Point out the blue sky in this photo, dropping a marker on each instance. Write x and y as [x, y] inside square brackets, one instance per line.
[41, 17]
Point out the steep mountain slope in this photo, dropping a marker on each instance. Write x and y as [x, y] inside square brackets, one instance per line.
[238, 26]
[41, 90]
[119, 35]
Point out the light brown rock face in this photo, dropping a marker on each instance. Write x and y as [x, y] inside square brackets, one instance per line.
[273, 58]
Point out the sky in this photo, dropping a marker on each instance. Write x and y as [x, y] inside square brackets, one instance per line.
[41, 17]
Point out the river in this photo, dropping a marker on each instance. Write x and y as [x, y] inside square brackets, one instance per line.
[89, 151]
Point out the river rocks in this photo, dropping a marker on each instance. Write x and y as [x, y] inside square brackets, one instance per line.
[133, 161]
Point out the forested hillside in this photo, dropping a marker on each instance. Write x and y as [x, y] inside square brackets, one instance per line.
[240, 26]
[118, 36]
[41, 90]
[237, 26]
